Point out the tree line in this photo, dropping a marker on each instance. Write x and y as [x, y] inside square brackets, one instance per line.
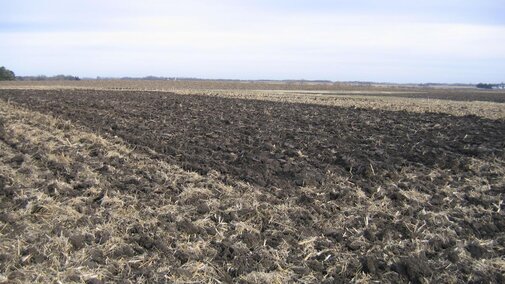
[8, 75]
[48, 78]
[490, 86]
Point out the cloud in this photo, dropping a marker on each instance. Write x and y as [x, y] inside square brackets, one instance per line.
[236, 41]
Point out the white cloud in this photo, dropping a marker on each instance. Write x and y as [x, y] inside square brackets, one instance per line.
[228, 40]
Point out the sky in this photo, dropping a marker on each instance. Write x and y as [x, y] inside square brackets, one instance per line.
[403, 41]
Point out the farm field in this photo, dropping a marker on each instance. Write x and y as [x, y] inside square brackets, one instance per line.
[460, 101]
[273, 184]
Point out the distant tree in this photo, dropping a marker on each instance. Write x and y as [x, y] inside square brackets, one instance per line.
[485, 86]
[65, 78]
[6, 74]
[46, 78]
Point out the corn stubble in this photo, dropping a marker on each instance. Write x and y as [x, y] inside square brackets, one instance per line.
[81, 204]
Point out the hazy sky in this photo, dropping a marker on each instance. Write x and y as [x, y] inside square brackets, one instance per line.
[367, 40]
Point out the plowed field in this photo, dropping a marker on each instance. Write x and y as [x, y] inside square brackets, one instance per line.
[329, 193]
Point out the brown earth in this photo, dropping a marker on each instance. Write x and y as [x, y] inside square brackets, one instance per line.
[278, 144]
[327, 89]
[454, 101]
[443, 94]
[335, 194]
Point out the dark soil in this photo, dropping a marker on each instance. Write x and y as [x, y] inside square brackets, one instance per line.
[294, 152]
[441, 94]
[278, 144]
